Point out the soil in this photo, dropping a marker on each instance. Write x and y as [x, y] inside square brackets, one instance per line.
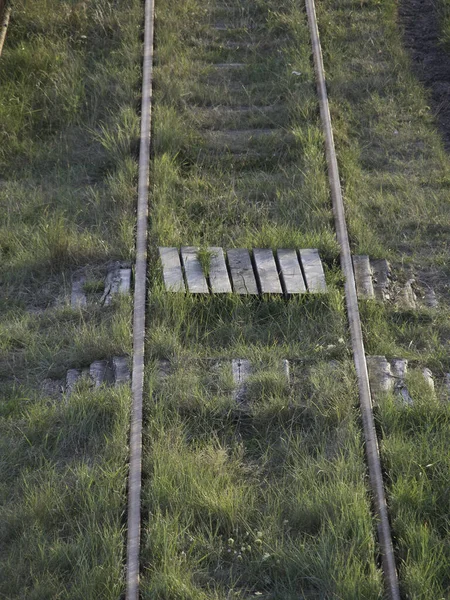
[431, 62]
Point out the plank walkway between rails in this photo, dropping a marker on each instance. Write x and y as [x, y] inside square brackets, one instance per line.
[266, 271]
[244, 281]
[249, 272]
[218, 274]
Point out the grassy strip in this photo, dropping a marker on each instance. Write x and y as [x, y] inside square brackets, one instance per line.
[443, 8]
[62, 495]
[267, 498]
[69, 87]
[395, 175]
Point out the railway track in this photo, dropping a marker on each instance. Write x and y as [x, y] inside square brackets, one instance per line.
[5, 14]
[242, 152]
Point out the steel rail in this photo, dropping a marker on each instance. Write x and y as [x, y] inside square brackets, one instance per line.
[140, 289]
[359, 356]
[4, 27]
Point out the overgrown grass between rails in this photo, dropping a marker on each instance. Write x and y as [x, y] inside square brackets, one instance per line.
[313, 325]
[264, 500]
[253, 197]
[267, 498]
[69, 90]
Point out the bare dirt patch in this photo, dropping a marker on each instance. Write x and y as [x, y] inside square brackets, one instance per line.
[420, 22]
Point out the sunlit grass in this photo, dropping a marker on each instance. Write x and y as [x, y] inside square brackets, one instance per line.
[69, 86]
[266, 499]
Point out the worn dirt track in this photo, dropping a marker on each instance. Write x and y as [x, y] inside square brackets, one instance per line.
[420, 23]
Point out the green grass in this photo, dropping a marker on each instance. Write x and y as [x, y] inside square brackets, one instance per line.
[443, 11]
[265, 501]
[63, 479]
[69, 87]
[267, 498]
[394, 173]
[395, 182]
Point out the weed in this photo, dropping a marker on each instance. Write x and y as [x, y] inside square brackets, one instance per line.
[204, 256]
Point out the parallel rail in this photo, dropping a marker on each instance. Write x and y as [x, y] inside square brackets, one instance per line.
[371, 443]
[140, 289]
[5, 13]
[359, 355]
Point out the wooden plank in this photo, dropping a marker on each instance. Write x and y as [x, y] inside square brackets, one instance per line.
[78, 297]
[172, 273]
[117, 281]
[381, 272]
[430, 298]
[242, 275]
[195, 279]
[291, 272]
[125, 281]
[363, 277]
[72, 377]
[266, 271]
[218, 274]
[447, 386]
[286, 369]
[380, 375]
[121, 370]
[428, 376]
[313, 270]
[101, 372]
[399, 368]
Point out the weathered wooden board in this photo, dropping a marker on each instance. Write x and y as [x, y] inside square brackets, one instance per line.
[121, 370]
[73, 375]
[242, 275]
[363, 277]
[266, 271]
[447, 385]
[291, 272]
[428, 376]
[286, 369]
[380, 375]
[313, 270]
[195, 278]
[430, 298]
[407, 298]
[101, 372]
[399, 368]
[381, 273]
[172, 273]
[118, 281]
[241, 369]
[125, 281]
[78, 296]
[218, 274]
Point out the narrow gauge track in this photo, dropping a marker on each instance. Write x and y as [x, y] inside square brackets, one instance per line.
[5, 14]
[371, 444]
